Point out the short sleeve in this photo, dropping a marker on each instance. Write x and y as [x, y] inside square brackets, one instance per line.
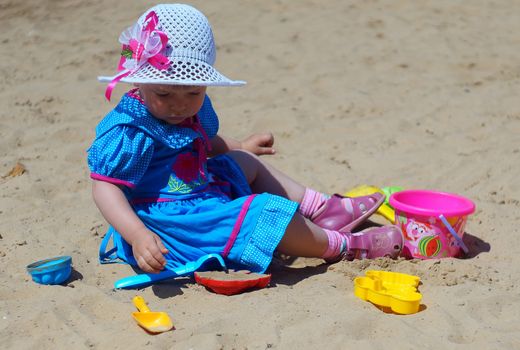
[120, 156]
[208, 118]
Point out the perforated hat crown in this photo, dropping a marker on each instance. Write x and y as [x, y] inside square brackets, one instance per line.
[176, 47]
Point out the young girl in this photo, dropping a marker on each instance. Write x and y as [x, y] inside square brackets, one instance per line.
[154, 184]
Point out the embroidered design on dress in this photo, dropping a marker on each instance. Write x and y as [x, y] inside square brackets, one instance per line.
[186, 175]
[177, 186]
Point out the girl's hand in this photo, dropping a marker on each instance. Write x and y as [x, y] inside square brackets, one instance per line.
[259, 144]
[149, 251]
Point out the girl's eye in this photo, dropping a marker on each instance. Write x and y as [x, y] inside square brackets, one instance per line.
[195, 93]
[161, 94]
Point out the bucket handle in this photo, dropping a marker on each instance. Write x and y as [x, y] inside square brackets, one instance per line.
[454, 234]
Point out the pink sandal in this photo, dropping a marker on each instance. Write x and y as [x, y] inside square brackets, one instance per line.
[334, 216]
[374, 242]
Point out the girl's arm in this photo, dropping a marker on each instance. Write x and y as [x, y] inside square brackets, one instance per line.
[258, 144]
[147, 246]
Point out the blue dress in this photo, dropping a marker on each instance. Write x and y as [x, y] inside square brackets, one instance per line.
[196, 205]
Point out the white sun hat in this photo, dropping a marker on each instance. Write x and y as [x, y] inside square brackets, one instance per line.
[170, 44]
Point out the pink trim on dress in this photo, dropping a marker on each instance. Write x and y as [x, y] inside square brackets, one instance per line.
[111, 180]
[238, 225]
[134, 94]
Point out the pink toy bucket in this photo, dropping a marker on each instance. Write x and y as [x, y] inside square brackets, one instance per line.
[432, 222]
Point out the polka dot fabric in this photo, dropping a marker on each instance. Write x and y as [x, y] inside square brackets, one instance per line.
[124, 138]
[270, 228]
[122, 153]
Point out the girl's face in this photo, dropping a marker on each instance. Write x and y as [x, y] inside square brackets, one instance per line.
[172, 103]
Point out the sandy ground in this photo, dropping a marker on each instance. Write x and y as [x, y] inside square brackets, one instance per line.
[420, 94]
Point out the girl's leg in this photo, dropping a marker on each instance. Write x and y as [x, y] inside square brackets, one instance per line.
[263, 177]
[306, 239]
[336, 213]
[303, 238]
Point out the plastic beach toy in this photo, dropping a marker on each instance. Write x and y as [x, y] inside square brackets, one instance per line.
[232, 282]
[432, 222]
[145, 279]
[389, 290]
[154, 322]
[51, 271]
[385, 209]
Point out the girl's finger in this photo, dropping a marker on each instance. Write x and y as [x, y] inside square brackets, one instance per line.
[158, 260]
[267, 139]
[266, 150]
[143, 265]
[155, 260]
[161, 246]
[270, 139]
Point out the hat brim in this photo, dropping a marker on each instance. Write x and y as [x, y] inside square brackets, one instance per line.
[182, 71]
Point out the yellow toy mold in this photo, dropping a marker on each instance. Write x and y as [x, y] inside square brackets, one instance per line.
[394, 290]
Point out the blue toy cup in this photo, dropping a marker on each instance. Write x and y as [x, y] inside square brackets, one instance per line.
[51, 271]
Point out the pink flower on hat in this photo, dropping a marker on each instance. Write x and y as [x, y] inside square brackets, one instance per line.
[142, 43]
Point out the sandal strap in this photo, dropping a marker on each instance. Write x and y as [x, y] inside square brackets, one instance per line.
[363, 204]
[334, 215]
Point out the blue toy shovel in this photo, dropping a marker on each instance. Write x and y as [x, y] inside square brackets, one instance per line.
[146, 279]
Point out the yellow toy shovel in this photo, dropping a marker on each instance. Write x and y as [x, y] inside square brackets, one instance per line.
[385, 209]
[153, 322]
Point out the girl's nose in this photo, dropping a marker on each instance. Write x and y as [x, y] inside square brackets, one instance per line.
[177, 108]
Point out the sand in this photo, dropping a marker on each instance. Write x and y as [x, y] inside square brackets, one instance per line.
[404, 93]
